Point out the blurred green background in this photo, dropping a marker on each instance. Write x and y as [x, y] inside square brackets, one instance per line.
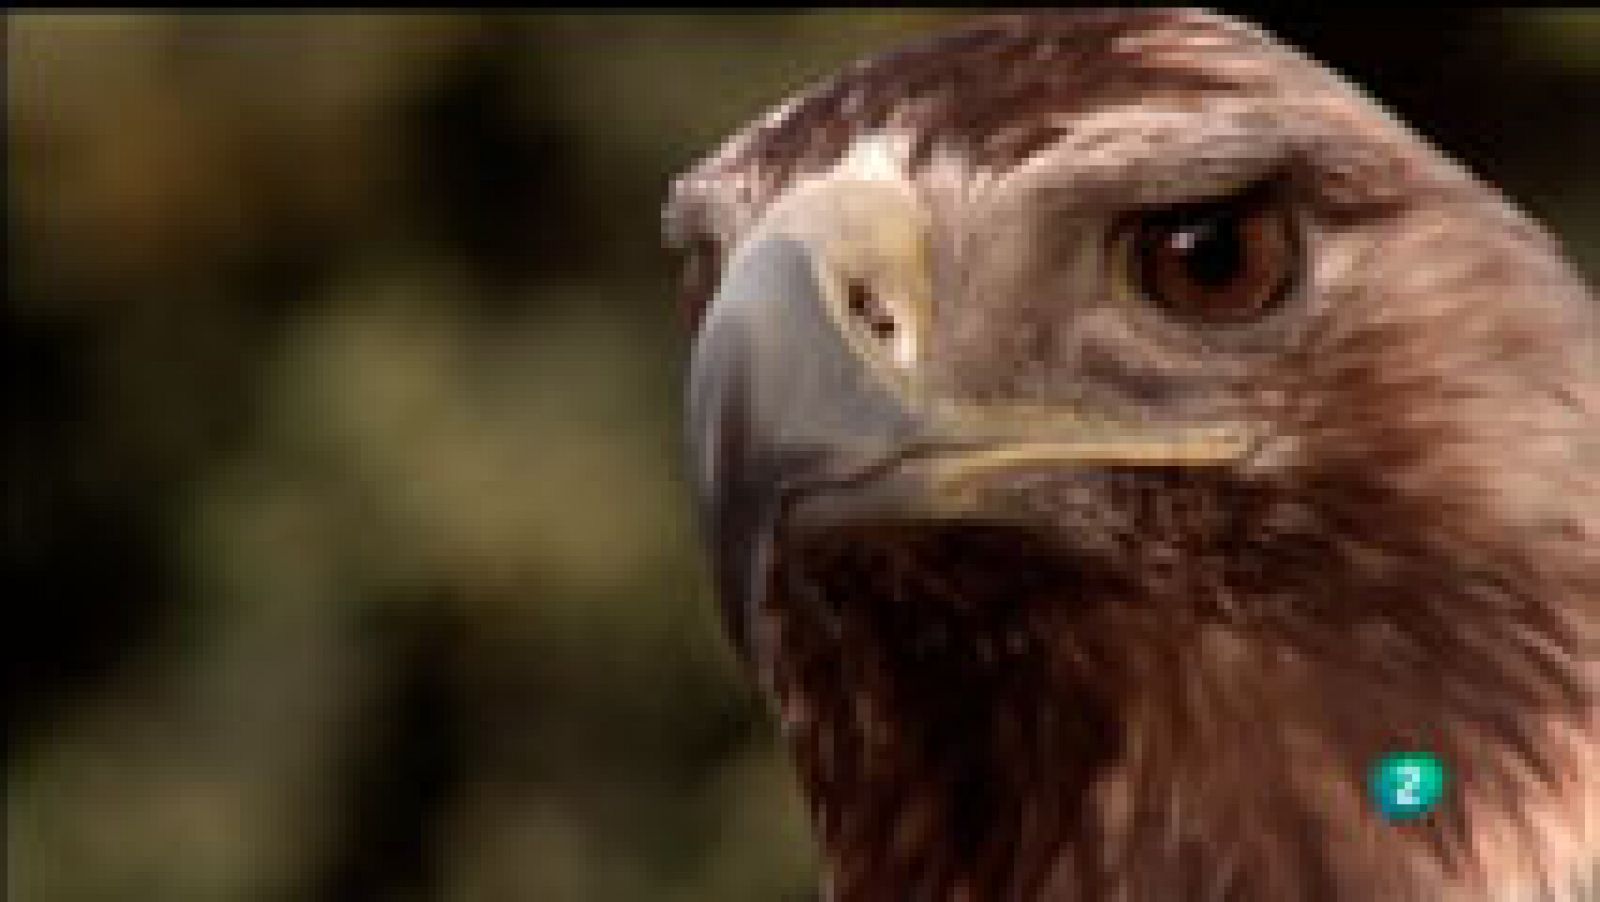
[348, 554]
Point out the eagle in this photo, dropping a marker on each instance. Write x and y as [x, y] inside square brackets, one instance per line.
[1114, 433]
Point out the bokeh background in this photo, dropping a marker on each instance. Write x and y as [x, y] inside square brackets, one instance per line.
[347, 551]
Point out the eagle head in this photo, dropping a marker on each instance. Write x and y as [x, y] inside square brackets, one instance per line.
[1114, 433]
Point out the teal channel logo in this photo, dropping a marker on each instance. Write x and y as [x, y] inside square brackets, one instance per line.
[1407, 785]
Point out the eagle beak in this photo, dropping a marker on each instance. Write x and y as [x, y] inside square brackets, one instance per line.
[789, 419]
[779, 403]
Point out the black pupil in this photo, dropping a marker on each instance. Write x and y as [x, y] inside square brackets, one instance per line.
[1212, 247]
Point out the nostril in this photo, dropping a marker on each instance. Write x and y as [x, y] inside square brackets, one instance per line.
[861, 299]
[865, 306]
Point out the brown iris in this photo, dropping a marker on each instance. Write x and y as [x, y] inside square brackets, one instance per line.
[1225, 261]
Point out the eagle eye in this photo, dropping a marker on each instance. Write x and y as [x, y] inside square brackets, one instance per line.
[1216, 262]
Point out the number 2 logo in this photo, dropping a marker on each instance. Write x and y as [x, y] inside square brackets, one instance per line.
[1407, 785]
[1407, 791]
